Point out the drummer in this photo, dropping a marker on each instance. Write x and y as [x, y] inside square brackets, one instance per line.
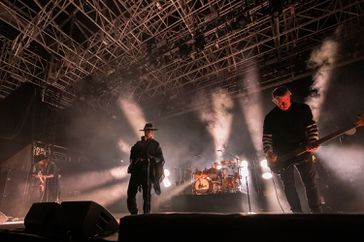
[214, 172]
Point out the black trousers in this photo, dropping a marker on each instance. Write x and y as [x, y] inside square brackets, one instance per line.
[139, 179]
[308, 173]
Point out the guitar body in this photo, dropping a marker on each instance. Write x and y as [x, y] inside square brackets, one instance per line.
[285, 161]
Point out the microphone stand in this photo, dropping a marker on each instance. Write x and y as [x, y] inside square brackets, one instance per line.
[246, 178]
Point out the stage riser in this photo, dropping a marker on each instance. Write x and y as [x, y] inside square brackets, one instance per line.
[237, 227]
[219, 203]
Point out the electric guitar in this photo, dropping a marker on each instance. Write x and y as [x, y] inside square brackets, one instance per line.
[41, 180]
[286, 160]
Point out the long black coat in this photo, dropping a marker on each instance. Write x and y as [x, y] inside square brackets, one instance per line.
[147, 151]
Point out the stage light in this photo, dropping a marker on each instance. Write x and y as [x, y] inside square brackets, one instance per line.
[166, 182]
[159, 6]
[267, 175]
[244, 163]
[244, 171]
[264, 163]
[166, 172]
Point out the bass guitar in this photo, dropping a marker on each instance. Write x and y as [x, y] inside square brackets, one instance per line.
[286, 160]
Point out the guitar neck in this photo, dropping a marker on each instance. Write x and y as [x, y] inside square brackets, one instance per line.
[333, 135]
[302, 150]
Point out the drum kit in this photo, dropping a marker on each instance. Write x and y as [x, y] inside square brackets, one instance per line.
[223, 177]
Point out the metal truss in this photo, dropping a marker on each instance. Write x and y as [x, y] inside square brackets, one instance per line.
[156, 49]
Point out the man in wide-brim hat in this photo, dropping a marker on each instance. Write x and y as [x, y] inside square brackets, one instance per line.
[146, 169]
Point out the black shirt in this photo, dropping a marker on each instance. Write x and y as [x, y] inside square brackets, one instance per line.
[284, 131]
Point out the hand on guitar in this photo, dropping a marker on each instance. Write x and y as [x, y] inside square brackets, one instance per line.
[40, 177]
[271, 157]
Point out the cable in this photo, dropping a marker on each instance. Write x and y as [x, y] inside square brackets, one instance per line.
[277, 197]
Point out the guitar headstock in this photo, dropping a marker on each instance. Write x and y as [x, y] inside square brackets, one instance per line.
[359, 122]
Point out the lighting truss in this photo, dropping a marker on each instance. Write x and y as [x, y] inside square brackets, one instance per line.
[57, 44]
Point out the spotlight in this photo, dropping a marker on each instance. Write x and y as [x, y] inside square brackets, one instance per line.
[244, 163]
[167, 172]
[264, 164]
[244, 168]
[166, 181]
[267, 175]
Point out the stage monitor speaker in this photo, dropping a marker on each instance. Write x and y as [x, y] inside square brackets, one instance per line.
[86, 219]
[70, 220]
[40, 217]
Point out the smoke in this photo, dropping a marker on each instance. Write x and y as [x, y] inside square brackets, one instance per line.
[218, 119]
[123, 146]
[168, 193]
[346, 162]
[133, 113]
[104, 187]
[322, 60]
[105, 196]
[251, 104]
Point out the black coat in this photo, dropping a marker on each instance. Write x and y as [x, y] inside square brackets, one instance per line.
[147, 151]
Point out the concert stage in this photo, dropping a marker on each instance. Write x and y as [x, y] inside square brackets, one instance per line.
[191, 227]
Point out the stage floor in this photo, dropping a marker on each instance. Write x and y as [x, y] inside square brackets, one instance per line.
[190, 227]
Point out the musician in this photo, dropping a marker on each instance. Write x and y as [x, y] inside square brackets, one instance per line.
[146, 169]
[286, 127]
[47, 175]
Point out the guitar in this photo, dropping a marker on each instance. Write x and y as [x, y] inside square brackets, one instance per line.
[286, 160]
[41, 180]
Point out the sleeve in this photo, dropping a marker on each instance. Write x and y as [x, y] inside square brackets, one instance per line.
[52, 169]
[267, 136]
[158, 155]
[311, 130]
[133, 153]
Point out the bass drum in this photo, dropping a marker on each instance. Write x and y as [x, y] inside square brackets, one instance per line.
[202, 185]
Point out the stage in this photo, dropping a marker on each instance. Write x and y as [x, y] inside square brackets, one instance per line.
[186, 227]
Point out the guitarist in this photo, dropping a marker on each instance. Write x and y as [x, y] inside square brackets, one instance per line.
[286, 127]
[45, 171]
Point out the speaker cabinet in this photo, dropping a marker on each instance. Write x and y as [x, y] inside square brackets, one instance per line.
[70, 220]
[41, 217]
[85, 219]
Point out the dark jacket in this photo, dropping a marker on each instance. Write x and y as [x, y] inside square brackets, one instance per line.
[145, 151]
[284, 131]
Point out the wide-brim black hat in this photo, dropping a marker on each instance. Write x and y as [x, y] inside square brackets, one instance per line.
[148, 126]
